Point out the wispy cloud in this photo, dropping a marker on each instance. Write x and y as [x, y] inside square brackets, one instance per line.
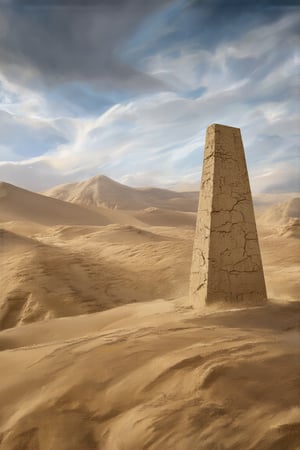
[50, 42]
[246, 79]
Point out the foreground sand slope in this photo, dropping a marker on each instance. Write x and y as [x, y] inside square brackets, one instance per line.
[153, 376]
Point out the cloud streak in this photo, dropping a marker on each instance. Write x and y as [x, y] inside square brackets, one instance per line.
[246, 79]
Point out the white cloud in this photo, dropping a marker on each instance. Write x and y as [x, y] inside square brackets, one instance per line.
[260, 40]
[151, 150]
[20, 100]
[158, 139]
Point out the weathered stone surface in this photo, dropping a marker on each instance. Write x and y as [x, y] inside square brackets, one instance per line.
[226, 264]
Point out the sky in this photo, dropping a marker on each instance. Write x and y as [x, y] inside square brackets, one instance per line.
[127, 88]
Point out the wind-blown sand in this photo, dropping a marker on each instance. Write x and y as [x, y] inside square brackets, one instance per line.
[108, 356]
[153, 376]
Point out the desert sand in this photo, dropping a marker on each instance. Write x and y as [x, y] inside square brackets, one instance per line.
[98, 347]
[103, 191]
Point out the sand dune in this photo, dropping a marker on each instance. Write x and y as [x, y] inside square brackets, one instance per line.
[11, 242]
[71, 270]
[99, 351]
[153, 376]
[163, 217]
[103, 191]
[66, 270]
[75, 270]
[24, 228]
[20, 204]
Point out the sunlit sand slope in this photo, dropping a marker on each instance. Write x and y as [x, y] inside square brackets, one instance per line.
[103, 191]
[153, 376]
[20, 204]
[66, 271]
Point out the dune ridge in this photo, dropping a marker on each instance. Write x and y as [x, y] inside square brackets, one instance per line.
[22, 205]
[103, 191]
[71, 270]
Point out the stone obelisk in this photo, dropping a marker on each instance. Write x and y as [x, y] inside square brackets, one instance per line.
[226, 264]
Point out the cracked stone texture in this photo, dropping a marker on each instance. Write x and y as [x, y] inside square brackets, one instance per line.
[226, 264]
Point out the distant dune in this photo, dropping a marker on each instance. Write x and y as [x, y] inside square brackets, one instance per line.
[20, 204]
[165, 217]
[103, 191]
